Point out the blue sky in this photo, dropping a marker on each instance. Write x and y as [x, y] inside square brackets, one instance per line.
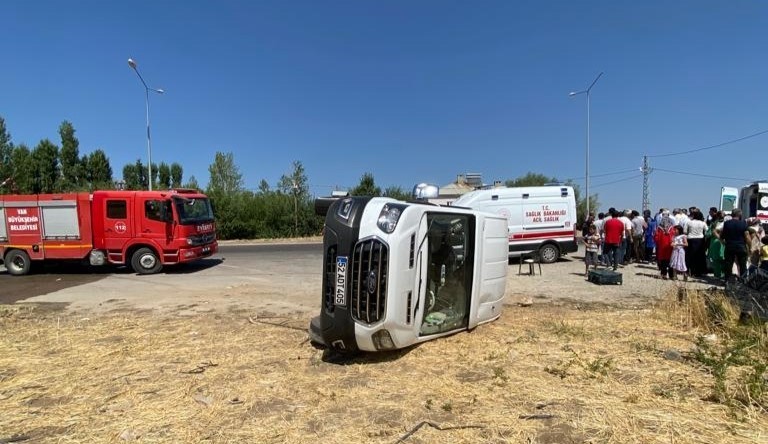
[410, 91]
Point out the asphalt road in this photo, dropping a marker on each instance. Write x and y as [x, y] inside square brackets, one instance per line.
[235, 266]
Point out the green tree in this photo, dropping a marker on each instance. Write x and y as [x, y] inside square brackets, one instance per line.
[176, 175]
[396, 192]
[141, 170]
[530, 180]
[164, 176]
[296, 185]
[295, 182]
[264, 187]
[366, 187]
[191, 183]
[98, 172]
[71, 168]
[225, 176]
[45, 158]
[132, 176]
[6, 157]
[23, 170]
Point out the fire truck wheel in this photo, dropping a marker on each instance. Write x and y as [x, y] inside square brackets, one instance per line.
[549, 253]
[17, 262]
[145, 261]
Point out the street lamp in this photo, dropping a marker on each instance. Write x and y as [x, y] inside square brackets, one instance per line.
[147, 89]
[576, 93]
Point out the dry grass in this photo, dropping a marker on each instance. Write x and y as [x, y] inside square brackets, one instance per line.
[541, 374]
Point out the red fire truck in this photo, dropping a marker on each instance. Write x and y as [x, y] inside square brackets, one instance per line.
[146, 229]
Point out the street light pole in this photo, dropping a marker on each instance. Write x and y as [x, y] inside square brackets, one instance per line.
[575, 93]
[132, 64]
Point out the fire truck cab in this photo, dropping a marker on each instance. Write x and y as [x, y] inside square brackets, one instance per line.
[145, 229]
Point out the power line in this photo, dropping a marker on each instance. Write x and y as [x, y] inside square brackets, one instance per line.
[619, 180]
[606, 174]
[703, 175]
[759, 133]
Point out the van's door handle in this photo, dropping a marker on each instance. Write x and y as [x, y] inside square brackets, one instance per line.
[147, 230]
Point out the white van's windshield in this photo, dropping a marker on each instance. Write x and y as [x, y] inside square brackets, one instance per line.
[449, 277]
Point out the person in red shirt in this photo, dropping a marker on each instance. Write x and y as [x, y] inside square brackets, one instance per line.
[663, 238]
[613, 229]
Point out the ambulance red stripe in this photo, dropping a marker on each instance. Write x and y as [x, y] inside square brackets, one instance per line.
[541, 235]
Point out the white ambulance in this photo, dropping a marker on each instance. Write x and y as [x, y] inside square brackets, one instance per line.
[540, 219]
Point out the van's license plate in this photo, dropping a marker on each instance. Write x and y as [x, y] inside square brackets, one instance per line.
[340, 297]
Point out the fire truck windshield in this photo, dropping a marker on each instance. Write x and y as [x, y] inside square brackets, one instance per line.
[192, 211]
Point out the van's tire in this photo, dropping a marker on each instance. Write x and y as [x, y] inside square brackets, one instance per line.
[549, 253]
[17, 262]
[145, 261]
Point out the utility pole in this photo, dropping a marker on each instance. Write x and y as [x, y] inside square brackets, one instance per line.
[646, 170]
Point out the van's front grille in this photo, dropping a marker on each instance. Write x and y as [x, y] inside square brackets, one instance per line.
[368, 289]
[330, 278]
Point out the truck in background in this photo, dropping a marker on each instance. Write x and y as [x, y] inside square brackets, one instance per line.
[753, 201]
[541, 219]
[398, 273]
[145, 229]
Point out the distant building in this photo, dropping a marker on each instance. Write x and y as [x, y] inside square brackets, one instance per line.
[464, 183]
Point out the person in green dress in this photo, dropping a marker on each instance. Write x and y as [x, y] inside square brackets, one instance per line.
[716, 250]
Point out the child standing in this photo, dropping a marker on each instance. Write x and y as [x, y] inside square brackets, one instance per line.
[716, 253]
[591, 244]
[677, 261]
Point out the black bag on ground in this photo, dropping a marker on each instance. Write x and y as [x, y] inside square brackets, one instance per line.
[602, 277]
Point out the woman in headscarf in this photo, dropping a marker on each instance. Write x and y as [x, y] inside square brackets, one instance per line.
[663, 238]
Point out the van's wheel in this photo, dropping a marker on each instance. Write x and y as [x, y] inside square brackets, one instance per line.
[549, 253]
[17, 262]
[145, 261]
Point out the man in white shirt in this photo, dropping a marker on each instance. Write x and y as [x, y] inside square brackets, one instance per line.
[599, 226]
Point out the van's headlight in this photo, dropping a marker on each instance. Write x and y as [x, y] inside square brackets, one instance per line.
[389, 216]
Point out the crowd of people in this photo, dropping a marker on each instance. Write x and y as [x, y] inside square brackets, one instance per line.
[682, 243]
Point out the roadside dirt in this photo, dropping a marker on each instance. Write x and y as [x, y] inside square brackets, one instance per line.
[226, 358]
[564, 282]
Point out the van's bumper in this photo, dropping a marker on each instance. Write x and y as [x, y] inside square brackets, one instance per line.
[194, 253]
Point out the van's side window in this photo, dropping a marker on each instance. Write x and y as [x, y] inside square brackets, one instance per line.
[153, 209]
[117, 209]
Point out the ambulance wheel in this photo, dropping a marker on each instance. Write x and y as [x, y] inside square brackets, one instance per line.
[17, 262]
[145, 261]
[549, 253]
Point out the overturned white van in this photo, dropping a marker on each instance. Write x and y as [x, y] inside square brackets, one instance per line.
[398, 273]
[541, 219]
